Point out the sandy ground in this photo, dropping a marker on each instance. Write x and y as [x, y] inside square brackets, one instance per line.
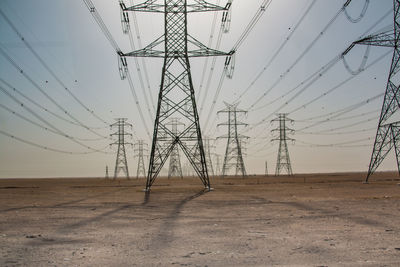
[308, 220]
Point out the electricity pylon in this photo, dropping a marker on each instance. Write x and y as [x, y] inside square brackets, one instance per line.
[176, 94]
[207, 152]
[140, 148]
[121, 164]
[217, 164]
[283, 160]
[175, 167]
[388, 132]
[107, 176]
[233, 152]
[266, 168]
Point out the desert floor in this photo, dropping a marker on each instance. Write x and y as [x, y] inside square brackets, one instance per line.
[305, 220]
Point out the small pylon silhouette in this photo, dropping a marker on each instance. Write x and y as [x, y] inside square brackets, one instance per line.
[139, 148]
[266, 168]
[121, 163]
[175, 167]
[217, 164]
[233, 154]
[283, 160]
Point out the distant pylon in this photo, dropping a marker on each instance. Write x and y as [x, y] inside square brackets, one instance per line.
[388, 132]
[107, 176]
[121, 164]
[207, 150]
[177, 95]
[283, 160]
[175, 167]
[266, 168]
[139, 148]
[233, 153]
[217, 164]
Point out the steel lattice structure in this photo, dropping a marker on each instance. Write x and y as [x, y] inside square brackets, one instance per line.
[207, 152]
[176, 96]
[175, 167]
[139, 148]
[121, 163]
[283, 160]
[266, 168]
[233, 153]
[388, 131]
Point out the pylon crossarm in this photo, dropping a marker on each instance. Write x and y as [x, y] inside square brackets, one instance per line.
[203, 51]
[149, 50]
[203, 6]
[198, 6]
[147, 6]
[385, 39]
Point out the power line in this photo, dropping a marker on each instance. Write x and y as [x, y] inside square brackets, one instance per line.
[92, 9]
[340, 127]
[316, 76]
[229, 62]
[347, 109]
[362, 14]
[28, 45]
[43, 127]
[138, 69]
[36, 86]
[139, 40]
[48, 123]
[300, 57]
[286, 40]
[210, 39]
[265, 4]
[15, 90]
[337, 133]
[341, 144]
[348, 117]
[45, 147]
[336, 86]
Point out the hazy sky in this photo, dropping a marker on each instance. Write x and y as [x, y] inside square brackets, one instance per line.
[70, 43]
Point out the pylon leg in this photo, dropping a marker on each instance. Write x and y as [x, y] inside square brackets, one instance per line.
[383, 144]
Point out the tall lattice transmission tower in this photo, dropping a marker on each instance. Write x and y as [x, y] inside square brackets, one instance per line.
[140, 148]
[283, 160]
[233, 152]
[176, 96]
[121, 164]
[266, 168]
[207, 147]
[175, 167]
[388, 132]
